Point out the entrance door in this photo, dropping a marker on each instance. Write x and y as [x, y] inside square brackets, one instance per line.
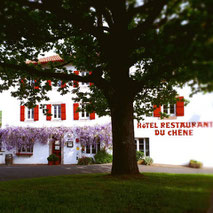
[56, 149]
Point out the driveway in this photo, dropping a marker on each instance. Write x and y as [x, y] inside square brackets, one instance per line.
[29, 171]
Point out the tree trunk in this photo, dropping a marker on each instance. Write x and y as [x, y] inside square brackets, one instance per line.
[124, 153]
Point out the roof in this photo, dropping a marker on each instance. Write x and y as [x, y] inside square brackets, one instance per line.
[54, 58]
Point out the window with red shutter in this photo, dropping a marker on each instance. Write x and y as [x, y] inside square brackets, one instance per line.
[180, 106]
[22, 113]
[63, 111]
[35, 87]
[157, 111]
[48, 116]
[36, 113]
[75, 83]
[75, 113]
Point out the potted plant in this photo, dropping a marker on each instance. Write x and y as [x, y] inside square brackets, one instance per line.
[195, 164]
[139, 157]
[53, 160]
[56, 160]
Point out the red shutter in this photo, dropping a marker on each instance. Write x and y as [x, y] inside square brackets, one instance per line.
[90, 82]
[49, 82]
[180, 106]
[75, 113]
[36, 87]
[22, 113]
[63, 111]
[48, 112]
[75, 83]
[92, 116]
[63, 85]
[36, 113]
[157, 111]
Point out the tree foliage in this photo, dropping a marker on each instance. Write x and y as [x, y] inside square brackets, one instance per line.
[170, 42]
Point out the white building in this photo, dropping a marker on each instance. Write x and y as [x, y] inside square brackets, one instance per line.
[187, 134]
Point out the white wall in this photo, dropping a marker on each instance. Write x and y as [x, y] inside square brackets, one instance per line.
[179, 150]
[163, 149]
[40, 154]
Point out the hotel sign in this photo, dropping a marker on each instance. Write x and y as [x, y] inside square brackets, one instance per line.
[174, 128]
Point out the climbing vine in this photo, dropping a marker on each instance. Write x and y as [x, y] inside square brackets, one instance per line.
[15, 137]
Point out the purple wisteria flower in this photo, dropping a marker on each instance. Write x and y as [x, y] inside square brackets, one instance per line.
[16, 137]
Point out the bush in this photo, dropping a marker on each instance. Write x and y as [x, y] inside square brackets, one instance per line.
[195, 164]
[148, 161]
[85, 161]
[53, 157]
[139, 155]
[103, 157]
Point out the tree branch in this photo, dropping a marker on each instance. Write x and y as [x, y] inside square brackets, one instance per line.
[48, 74]
[62, 14]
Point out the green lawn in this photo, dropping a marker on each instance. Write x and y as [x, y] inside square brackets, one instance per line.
[102, 193]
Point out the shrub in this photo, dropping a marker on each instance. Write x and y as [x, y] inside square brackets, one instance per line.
[195, 164]
[139, 155]
[103, 157]
[85, 161]
[53, 157]
[148, 161]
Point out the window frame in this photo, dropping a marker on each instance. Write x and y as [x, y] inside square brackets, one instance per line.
[30, 114]
[89, 149]
[24, 150]
[83, 74]
[146, 142]
[83, 114]
[56, 111]
[168, 112]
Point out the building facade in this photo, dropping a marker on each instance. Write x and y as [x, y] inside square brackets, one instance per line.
[186, 134]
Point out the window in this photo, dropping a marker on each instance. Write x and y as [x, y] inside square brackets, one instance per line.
[92, 149]
[84, 114]
[59, 83]
[57, 111]
[31, 82]
[169, 109]
[84, 74]
[30, 114]
[25, 149]
[142, 144]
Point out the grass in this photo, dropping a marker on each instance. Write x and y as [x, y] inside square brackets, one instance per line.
[161, 193]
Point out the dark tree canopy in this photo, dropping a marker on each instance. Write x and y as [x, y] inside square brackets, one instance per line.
[170, 42]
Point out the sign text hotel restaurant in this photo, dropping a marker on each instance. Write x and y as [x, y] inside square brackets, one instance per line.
[174, 128]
